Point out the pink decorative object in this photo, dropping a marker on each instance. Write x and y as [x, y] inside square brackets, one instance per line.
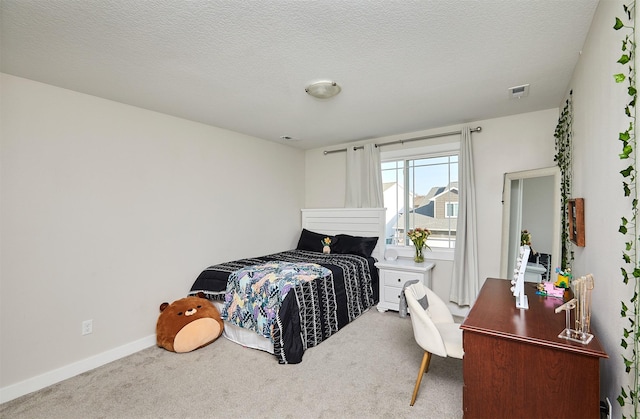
[553, 291]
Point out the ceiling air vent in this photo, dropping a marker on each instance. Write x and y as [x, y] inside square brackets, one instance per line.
[288, 138]
[518, 92]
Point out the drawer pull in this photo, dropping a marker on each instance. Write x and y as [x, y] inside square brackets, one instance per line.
[399, 280]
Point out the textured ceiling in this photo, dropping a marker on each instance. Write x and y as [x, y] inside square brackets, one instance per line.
[403, 66]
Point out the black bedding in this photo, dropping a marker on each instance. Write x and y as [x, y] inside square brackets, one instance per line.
[310, 312]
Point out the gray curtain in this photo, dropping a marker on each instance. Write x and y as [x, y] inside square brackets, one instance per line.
[364, 179]
[465, 281]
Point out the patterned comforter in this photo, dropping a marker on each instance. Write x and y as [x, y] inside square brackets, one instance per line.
[295, 313]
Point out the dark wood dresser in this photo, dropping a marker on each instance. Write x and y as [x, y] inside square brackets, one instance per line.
[516, 366]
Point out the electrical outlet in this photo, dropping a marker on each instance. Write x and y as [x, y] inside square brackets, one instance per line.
[87, 327]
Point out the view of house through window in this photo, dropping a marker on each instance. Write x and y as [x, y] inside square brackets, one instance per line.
[421, 192]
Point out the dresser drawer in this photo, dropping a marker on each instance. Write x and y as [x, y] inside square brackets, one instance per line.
[398, 278]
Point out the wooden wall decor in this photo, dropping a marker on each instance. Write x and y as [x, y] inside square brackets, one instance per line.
[575, 212]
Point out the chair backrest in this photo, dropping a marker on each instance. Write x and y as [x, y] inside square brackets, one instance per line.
[424, 328]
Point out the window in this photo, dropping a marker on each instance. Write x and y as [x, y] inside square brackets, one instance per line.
[421, 192]
[451, 209]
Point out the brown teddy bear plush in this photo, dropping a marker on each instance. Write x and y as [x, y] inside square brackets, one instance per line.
[187, 324]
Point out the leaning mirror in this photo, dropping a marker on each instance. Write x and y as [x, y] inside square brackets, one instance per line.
[531, 201]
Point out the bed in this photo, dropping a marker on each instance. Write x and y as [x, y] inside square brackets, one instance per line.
[336, 288]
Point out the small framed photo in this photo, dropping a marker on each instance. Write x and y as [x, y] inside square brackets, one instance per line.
[575, 214]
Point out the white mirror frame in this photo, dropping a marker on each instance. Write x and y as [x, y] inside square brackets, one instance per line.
[506, 214]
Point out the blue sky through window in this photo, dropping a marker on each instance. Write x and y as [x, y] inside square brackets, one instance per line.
[424, 173]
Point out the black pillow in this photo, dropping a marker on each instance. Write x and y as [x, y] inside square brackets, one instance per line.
[354, 245]
[312, 241]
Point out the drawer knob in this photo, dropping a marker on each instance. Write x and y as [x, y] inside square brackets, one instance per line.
[399, 280]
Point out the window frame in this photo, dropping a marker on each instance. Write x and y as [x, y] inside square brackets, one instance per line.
[440, 149]
[453, 204]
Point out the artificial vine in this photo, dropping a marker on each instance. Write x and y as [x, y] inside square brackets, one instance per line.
[563, 136]
[628, 226]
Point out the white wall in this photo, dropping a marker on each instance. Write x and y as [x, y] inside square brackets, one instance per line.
[108, 210]
[509, 144]
[598, 118]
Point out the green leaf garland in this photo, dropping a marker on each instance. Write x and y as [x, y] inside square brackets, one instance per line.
[628, 224]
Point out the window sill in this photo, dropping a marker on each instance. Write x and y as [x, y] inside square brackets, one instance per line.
[434, 254]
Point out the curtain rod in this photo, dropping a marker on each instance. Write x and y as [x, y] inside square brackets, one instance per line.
[408, 140]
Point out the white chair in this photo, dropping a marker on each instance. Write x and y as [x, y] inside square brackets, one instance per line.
[433, 328]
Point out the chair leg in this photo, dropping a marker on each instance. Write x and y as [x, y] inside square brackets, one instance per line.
[424, 366]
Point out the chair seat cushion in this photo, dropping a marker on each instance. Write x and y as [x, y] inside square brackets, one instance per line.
[452, 337]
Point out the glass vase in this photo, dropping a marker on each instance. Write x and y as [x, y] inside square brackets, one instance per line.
[419, 257]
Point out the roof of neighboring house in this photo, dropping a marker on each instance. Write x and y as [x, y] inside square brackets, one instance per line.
[424, 204]
[439, 190]
[452, 187]
[420, 200]
[433, 224]
[427, 209]
[387, 185]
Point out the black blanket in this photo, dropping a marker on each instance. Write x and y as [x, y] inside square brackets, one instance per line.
[313, 311]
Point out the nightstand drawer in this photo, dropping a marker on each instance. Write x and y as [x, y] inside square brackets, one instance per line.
[398, 278]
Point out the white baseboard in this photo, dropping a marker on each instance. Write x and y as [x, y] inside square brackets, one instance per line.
[44, 380]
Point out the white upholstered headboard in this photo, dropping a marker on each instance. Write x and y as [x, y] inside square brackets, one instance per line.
[365, 222]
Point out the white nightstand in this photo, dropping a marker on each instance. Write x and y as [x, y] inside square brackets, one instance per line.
[393, 275]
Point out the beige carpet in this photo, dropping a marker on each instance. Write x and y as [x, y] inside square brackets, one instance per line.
[367, 370]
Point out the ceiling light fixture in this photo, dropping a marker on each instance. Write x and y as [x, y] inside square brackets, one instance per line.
[323, 89]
